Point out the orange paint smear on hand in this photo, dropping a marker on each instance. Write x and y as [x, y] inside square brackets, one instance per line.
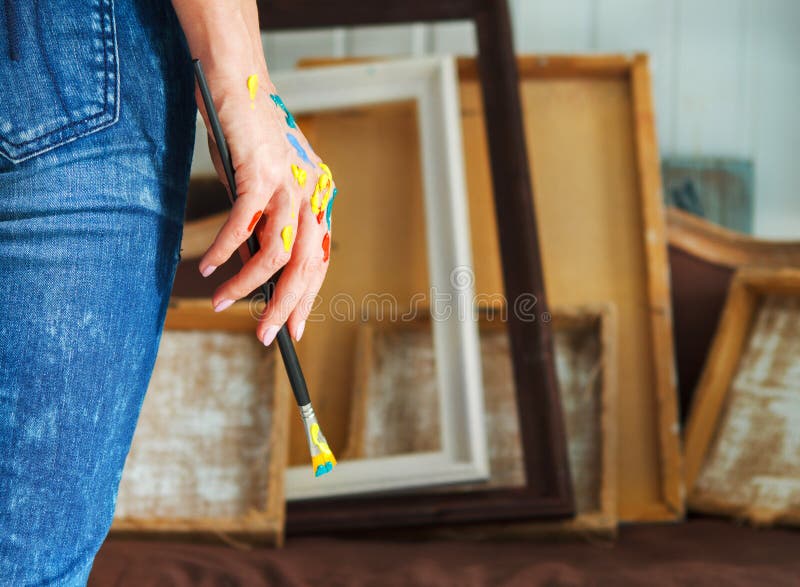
[326, 246]
[320, 216]
[254, 221]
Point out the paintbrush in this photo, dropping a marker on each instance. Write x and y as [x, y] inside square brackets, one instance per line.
[322, 459]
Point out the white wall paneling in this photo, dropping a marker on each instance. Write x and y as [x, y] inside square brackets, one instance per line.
[648, 26]
[774, 79]
[548, 26]
[726, 73]
[709, 102]
[457, 38]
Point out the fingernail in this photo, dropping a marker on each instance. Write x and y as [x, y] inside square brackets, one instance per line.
[223, 305]
[298, 333]
[208, 270]
[270, 334]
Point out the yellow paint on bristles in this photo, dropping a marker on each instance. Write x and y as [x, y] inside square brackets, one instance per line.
[252, 87]
[325, 461]
[322, 464]
[286, 235]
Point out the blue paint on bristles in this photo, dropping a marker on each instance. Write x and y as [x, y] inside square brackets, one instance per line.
[323, 469]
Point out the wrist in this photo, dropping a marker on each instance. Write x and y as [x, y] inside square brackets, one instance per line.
[218, 33]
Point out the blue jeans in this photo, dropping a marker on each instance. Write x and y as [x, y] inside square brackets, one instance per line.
[97, 119]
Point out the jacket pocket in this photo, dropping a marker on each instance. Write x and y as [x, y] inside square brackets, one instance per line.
[63, 80]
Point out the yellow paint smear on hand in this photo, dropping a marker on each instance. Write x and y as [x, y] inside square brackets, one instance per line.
[299, 174]
[324, 186]
[325, 199]
[315, 205]
[286, 235]
[252, 86]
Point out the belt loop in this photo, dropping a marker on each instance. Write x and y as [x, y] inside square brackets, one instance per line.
[12, 27]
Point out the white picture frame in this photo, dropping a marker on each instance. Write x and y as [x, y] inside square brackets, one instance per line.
[433, 84]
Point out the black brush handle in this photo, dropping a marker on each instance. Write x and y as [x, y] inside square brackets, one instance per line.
[290, 360]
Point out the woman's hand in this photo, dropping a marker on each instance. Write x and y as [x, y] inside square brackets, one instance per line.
[284, 190]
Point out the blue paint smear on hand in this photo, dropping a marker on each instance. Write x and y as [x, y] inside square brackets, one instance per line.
[301, 152]
[279, 103]
[329, 210]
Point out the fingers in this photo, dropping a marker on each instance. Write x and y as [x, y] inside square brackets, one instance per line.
[276, 238]
[245, 214]
[305, 272]
[297, 319]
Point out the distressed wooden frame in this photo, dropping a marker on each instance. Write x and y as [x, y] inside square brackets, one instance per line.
[647, 209]
[746, 290]
[701, 250]
[265, 526]
[635, 71]
[601, 522]
[549, 490]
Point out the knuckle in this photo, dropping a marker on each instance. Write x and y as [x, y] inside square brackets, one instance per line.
[236, 287]
[239, 234]
[235, 291]
[280, 308]
[243, 283]
[270, 175]
[312, 265]
[276, 260]
[306, 304]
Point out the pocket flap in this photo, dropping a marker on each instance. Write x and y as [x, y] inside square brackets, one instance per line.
[63, 82]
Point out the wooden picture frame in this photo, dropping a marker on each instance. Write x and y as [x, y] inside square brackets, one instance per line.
[703, 258]
[431, 84]
[590, 126]
[244, 469]
[725, 247]
[586, 361]
[740, 374]
[548, 492]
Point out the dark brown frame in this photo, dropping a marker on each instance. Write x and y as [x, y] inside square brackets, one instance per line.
[548, 492]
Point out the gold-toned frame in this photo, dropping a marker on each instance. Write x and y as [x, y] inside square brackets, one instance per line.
[747, 289]
[721, 246]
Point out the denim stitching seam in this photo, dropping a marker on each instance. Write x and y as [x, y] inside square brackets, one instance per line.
[13, 30]
[103, 116]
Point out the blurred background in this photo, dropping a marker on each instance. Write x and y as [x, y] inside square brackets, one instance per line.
[726, 74]
[659, 443]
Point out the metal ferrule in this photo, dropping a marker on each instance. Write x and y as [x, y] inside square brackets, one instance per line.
[307, 412]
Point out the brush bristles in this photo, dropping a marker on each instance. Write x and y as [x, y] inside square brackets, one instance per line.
[322, 464]
[322, 459]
